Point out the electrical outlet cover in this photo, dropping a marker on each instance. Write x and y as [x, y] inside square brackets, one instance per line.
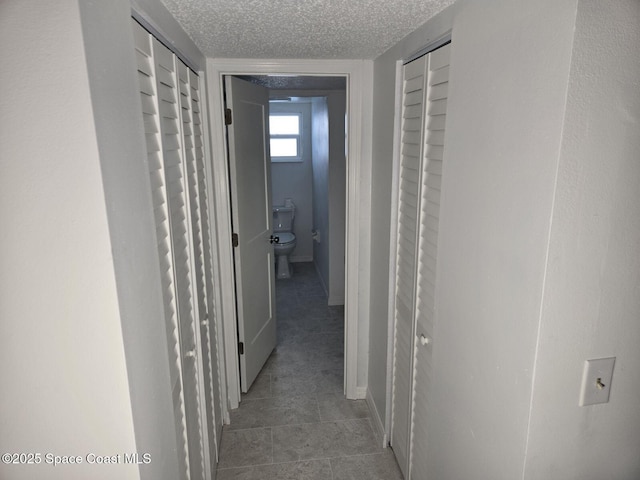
[596, 381]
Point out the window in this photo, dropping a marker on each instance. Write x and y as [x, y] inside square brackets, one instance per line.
[285, 130]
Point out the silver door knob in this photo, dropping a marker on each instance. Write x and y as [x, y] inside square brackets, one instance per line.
[424, 340]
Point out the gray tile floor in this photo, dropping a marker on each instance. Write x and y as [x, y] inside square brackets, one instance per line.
[295, 423]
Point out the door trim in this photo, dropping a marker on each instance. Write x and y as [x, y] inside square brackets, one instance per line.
[358, 74]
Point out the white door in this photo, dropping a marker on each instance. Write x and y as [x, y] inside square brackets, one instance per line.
[413, 124]
[204, 266]
[252, 218]
[146, 47]
[434, 137]
[171, 104]
[196, 183]
[425, 88]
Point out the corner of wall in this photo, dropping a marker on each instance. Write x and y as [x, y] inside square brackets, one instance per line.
[156, 16]
[376, 421]
[591, 306]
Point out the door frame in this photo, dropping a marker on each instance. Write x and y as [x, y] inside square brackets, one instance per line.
[358, 74]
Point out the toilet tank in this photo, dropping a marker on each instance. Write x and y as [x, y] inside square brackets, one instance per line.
[283, 218]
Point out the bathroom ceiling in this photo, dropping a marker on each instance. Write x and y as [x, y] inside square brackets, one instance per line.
[300, 28]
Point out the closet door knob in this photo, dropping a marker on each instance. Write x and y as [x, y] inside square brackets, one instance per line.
[273, 239]
[424, 340]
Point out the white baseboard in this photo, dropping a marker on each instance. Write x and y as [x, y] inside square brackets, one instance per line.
[336, 300]
[376, 421]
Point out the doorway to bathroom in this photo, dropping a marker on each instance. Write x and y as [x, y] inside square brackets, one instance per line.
[305, 183]
[309, 356]
[359, 89]
[311, 175]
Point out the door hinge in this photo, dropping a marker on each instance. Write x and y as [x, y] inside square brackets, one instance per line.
[241, 348]
[228, 120]
[234, 239]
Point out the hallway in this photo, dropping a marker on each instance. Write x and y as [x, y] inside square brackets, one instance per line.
[294, 423]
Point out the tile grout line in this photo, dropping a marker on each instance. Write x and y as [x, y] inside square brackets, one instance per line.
[333, 475]
[272, 447]
[303, 424]
[313, 459]
[318, 404]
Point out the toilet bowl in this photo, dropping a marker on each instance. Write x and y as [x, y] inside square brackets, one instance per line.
[283, 229]
[282, 249]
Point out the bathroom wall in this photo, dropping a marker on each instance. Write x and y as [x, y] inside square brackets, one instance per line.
[329, 191]
[320, 146]
[337, 196]
[294, 180]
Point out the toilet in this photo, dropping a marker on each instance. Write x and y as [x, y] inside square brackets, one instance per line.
[283, 216]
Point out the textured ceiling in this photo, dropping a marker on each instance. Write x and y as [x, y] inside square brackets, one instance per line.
[300, 28]
[299, 82]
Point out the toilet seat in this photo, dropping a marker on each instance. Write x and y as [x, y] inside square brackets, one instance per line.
[285, 237]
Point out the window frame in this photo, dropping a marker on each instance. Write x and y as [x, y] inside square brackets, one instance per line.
[297, 137]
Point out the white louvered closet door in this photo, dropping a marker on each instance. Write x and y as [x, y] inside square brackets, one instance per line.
[174, 170]
[424, 112]
[150, 109]
[170, 101]
[194, 161]
[210, 328]
[406, 255]
[437, 89]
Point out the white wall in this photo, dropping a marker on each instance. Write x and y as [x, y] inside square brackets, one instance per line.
[329, 183]
[337, 196]
[591, 302]
[538, 266]
[84, 357]
[62, 362]
[509, 75]
[295, 180]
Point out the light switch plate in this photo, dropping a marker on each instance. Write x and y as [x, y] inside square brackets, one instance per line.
[596, 381]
